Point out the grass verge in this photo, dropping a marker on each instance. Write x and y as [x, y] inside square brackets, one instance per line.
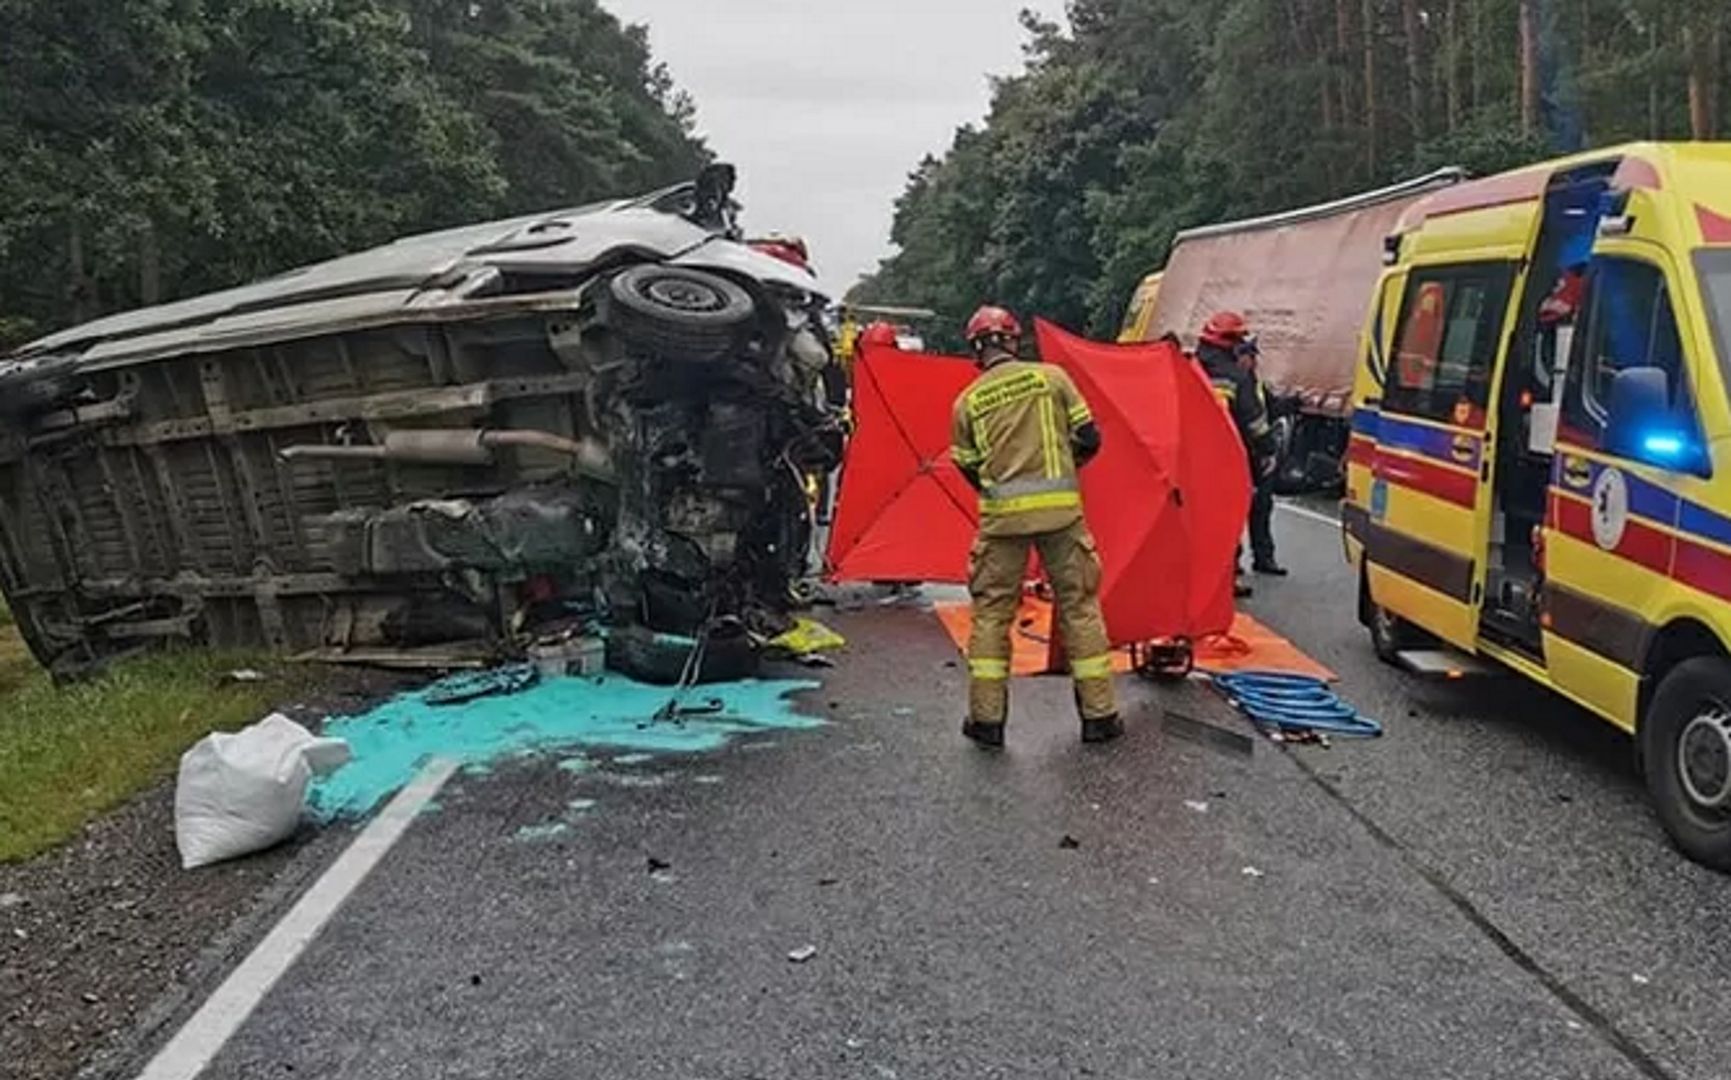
[70, 753]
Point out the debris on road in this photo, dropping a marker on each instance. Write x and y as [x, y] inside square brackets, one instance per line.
[1198, 805]
[10, 900]
[1640, 980]
[569, 656]
[802, 954]
[551, 830]
[807, 638]
[1069, 843]
[1206, 734]
[474, 685]
[1252, 872]
[241, 793]
[657, 866]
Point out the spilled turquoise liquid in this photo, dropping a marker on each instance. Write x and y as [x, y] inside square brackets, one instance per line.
[391, 742]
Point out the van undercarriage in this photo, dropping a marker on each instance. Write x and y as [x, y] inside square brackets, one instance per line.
[630, 447]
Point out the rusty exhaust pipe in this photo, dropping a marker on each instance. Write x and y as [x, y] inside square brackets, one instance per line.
[460, 447]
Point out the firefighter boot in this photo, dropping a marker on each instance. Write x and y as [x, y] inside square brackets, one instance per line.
[1102, 730]
[995, 570]
[990, 736]
[1074, 565]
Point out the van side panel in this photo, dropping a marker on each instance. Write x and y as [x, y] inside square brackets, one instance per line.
[1424, 498]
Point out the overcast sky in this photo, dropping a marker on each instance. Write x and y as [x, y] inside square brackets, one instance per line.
[827, 105]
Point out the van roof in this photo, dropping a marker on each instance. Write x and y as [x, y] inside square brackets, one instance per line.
[1699, 171]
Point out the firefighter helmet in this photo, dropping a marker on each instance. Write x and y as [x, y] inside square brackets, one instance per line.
[991, 321]
[1224, 329]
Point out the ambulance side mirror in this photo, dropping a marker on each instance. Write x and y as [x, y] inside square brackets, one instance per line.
[1641, 425]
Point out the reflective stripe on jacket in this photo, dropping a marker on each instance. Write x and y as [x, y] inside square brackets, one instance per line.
[1240, 391]
[1014, 428]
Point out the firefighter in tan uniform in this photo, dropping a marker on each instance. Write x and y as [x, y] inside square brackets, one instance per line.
[1020, 432]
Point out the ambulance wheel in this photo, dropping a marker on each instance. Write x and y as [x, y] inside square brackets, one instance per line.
[1686, 754]
[1390, 635]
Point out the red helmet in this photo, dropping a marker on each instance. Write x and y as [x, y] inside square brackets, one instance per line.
[880, 333]
[991, 320]
[1224, 329]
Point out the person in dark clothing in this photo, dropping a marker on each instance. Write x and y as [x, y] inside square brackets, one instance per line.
[1262, 558]
[1226, 352]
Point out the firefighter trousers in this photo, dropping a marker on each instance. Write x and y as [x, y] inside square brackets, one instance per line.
[996, 571]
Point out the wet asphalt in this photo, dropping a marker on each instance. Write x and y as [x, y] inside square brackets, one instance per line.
[1481, 893]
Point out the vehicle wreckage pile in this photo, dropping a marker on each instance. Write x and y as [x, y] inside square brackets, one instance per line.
[434, 450]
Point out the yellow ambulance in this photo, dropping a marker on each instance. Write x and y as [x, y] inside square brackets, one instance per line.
[1539, 471]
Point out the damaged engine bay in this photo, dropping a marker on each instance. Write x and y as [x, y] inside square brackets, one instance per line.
[431, 453]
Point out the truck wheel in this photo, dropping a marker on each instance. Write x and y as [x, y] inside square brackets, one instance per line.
[1288, 462]
[1686, 754]
[1390, 635]
[678, 313]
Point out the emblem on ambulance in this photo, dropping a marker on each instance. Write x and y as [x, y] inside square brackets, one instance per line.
[1610, 509]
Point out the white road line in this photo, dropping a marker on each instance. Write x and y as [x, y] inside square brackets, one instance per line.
[195, 1044]
[1310, 515]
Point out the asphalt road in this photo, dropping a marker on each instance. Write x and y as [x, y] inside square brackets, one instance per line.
[1479, 894]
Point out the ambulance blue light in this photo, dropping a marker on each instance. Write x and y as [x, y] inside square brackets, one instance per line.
[1663, 445]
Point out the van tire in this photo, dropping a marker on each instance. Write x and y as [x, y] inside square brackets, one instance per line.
[678, 313]
[659, 659]
[1390, 635]
[1685, 742]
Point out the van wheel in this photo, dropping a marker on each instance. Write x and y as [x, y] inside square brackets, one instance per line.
[679, 313]
[1686, 755]
[660, 659]
[1390, 635]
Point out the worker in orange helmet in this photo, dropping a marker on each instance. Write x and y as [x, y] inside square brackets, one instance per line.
[1020, 433]
[1227, 351]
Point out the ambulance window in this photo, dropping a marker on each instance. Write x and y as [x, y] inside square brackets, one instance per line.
[1450, 330]
[1714, 267]
[1631, 324]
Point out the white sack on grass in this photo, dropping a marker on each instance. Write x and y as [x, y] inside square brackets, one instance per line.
[242, 793]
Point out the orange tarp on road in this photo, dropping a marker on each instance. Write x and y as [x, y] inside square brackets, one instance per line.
[1250, 646]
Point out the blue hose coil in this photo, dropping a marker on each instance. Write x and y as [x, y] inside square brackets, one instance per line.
[1294, 703]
